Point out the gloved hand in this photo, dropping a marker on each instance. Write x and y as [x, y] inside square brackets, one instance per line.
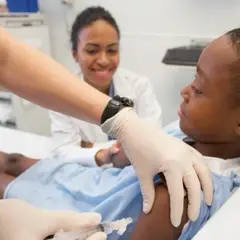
[19, 220]
[151, 151]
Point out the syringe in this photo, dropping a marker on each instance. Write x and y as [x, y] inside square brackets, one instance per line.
[108, 227]
[77, 235]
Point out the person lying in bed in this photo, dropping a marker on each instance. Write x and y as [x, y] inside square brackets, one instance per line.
[209, 116]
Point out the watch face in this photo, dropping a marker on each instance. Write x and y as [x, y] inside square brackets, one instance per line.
[115, 104]
[127, 102]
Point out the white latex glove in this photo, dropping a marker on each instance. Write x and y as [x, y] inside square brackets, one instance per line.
[21, 221]
[151, 151]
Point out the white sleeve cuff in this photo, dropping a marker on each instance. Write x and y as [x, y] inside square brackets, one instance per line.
[84, 156]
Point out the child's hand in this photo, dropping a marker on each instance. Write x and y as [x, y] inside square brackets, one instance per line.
[104, 156]
[114, 155]
[120, 160]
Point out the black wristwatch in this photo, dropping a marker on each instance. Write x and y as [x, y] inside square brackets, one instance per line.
[114, 106]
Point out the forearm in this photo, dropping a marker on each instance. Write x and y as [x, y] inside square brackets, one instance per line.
[35, 76]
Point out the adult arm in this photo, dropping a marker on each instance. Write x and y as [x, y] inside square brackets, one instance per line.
[33, 75]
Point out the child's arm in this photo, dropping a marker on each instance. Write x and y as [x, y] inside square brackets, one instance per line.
[15, 164]
[11, 166]
[157, 225]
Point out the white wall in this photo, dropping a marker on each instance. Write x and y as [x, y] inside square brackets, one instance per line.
[148, 28]
[178, 17]
[56, 15]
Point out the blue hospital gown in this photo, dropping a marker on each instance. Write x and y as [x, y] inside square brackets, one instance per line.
[114, 193]
[72, 183]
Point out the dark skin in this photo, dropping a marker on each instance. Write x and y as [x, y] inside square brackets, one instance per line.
[11, 166]
[145, 229]
[206, 116]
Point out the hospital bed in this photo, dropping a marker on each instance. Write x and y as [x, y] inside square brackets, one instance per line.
[225, 224]
[29, 144]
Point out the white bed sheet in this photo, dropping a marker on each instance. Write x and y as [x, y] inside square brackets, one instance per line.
[32, 145]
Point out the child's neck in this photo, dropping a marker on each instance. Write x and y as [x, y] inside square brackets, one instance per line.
[219, 150]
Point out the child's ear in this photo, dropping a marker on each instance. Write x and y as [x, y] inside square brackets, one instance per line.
[74, 54]
[237, 130]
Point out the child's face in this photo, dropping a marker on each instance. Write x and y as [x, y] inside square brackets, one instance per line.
[206, 113]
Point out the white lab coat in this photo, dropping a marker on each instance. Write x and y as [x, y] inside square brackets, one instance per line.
[67, 130]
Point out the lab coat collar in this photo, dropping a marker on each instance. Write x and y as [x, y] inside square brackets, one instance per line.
[123, 86]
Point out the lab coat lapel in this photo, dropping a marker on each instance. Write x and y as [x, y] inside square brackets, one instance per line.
[123, 87]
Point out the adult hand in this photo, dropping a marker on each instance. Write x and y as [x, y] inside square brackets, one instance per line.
[20, 220]
[151, 151]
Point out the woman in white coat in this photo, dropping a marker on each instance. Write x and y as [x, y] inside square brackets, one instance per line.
[95, 41]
